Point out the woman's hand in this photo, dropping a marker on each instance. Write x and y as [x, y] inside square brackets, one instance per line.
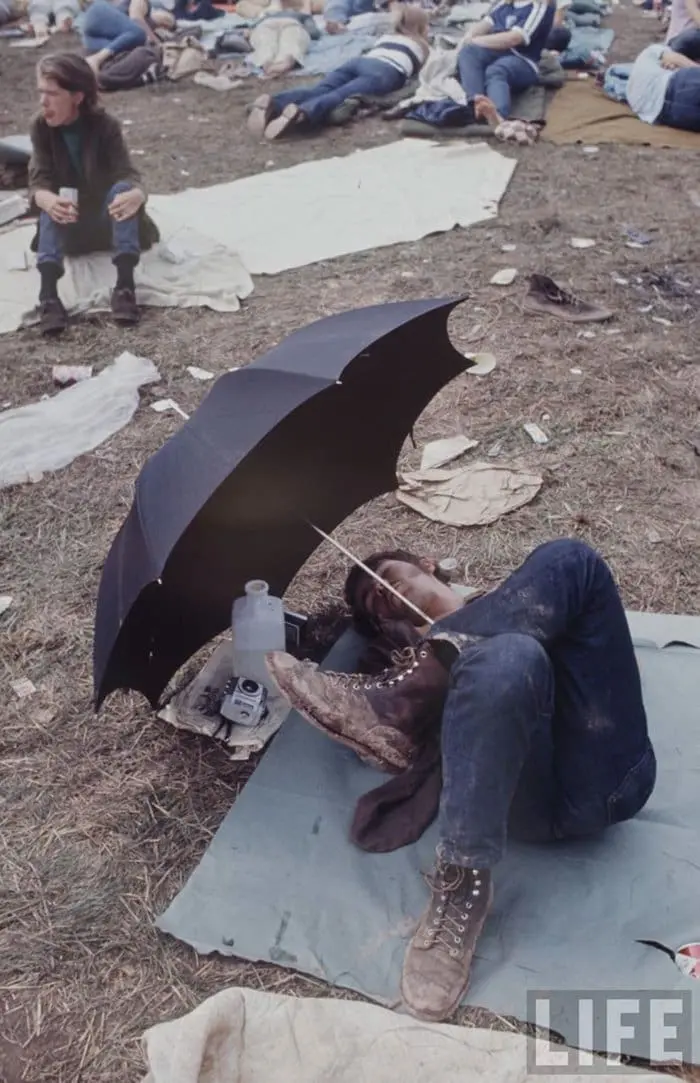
[126, 204]
[62, 211]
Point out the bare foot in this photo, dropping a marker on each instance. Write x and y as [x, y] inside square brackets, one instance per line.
[280, 68]
[65, 26]
[484, 109]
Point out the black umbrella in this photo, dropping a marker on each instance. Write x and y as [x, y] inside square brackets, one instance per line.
[306, 434]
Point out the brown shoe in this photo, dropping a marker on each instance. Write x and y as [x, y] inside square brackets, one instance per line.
[438, 960]
[52, 317]
[124, 307]
[546, 297]
[290, 116]
[383, 719]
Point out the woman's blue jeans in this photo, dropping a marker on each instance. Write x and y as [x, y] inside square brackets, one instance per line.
[360, 76]
[544, 732]
[106, 27]
[682, 103]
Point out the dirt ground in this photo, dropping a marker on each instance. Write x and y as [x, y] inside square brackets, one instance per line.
[104, 817]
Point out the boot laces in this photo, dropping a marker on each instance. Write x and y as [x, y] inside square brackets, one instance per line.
[404, 662]
[455, 892]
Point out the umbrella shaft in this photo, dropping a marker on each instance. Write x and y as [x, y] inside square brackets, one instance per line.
[378, 578]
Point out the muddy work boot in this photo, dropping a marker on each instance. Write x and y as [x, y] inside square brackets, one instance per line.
[383, 719]
[548, 298]
[437, 964]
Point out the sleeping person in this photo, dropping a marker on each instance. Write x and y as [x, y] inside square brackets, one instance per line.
[395, 59]
[664, 88]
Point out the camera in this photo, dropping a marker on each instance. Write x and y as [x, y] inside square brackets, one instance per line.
[244, 701]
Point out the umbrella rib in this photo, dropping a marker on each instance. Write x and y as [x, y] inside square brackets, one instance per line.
[378, 578]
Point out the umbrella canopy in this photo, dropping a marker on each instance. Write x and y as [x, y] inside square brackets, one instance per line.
[307, 433]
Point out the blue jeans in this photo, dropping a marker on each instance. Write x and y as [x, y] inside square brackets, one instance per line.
[360, 76]
[687, 43]
[125, 235]
[497, 75]
[106, 27]
[682, 104]
[544, 732]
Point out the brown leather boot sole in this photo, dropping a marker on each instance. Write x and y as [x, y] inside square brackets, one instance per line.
[335, 704]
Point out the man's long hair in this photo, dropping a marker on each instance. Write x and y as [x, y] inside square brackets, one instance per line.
[73, 73]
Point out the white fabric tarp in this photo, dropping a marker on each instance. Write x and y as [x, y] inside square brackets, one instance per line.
[246, 1036]
[319, 210]
[215, 238]
[185, 270]
[51, 433]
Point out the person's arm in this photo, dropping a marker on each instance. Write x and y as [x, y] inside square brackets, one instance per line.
[121, 168]
[519, 35]
[693, 9]
[42, 180]
[673, 61]
[476, 30]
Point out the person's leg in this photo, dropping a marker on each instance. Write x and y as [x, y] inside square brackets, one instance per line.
[499, 710]
[564, 596]
[682, 104]
[472, 62]
[105, 27]
[65, 13]
[363, 76]
[687, 43]
[508, 75]
[266, 108]
[126, 247]
[50, 248]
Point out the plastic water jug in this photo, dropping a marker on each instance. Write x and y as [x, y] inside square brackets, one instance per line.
[257, 624]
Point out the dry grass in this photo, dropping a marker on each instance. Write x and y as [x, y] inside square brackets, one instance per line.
[103, 818]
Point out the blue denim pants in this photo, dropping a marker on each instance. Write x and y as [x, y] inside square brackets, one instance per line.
[106, 27]
[544, 732]
[497, 75]
[125, 235]
[682, 103]
[360, 76]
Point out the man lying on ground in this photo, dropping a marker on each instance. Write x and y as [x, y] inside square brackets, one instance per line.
[387, 67]
[543, 733]
[78, 151]
[501, 54]
[664, 88]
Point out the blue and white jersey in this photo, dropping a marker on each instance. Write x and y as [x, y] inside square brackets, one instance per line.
[534, 20]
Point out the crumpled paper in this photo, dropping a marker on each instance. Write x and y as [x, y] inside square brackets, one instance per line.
[439, 452]
[474, 495]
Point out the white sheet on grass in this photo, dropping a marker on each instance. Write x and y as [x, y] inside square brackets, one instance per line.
[248, 1036]
[319, 210]
[51, 433]
[186, 270]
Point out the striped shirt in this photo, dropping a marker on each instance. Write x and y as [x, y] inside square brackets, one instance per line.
[401, 52]
[534, 20]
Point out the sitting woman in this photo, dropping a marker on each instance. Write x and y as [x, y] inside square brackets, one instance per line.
[111, 27]
[389, 65]
[664, 88]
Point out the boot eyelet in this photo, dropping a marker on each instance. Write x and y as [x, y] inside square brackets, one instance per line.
[454, 953]
[460, 928]
[477, 892]
[435, 921]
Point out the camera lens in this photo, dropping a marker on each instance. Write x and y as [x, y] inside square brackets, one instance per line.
[250, 687]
